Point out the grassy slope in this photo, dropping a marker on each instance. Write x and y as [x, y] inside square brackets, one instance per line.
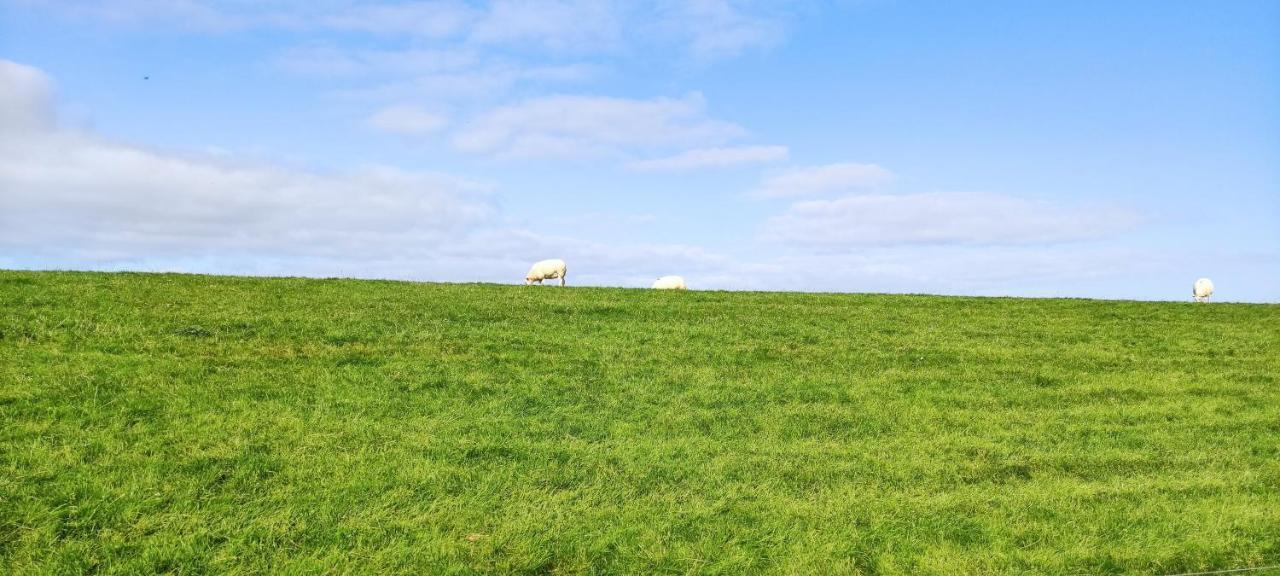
[197, 423]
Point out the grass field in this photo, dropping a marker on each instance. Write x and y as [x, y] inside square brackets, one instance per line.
[201, 424]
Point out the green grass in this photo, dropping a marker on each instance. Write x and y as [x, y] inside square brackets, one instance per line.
[232, 425]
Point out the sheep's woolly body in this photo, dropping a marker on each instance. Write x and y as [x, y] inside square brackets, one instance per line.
[669, 283]
[1202, 290]
[546, 270]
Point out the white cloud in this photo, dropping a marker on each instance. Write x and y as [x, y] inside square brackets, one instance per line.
[572, 25]
[73, 193]
[481, 83]
[26, 98]
[938, 218]
[188, 14]
[332, 61]
[706, 29]
[592, 126]
[712, 158]
[68, 190]
[425, 19]
[719, 28]
[430, 20]
[407, 120]
[826, 179]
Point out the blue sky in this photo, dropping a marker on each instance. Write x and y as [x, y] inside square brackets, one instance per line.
[1093, 149]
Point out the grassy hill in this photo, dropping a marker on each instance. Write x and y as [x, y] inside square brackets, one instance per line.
[237, 425]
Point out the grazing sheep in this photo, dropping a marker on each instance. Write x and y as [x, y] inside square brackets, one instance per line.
[669, 283]
[1202, 290]
[546, 270]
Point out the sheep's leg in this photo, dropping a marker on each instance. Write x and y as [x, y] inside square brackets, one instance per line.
[562, 279]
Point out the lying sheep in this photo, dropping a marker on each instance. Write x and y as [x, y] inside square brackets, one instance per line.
[669, 283]
[546, 270]
[1202, 290]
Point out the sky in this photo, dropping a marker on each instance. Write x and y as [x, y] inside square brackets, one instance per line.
[1077, 149]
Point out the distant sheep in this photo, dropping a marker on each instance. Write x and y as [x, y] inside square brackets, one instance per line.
[669, 283]
[1202, 290]
[546, 270]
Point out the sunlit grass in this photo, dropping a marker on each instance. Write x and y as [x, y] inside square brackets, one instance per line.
[233, 425]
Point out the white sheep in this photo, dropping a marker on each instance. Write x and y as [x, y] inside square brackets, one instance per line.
[1202, 290]
[669, 283]
[546, 270]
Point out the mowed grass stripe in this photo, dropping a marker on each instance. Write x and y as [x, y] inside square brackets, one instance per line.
[200, 424]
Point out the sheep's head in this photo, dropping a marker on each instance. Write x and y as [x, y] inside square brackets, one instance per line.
[528, 280]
